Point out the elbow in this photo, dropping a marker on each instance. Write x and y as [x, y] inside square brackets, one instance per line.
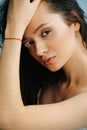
[9, 120]
[5, 122]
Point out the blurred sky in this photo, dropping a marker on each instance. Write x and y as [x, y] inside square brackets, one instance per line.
[83, 4]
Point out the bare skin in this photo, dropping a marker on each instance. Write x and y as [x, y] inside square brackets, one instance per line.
[58, 93]
[13, 114]
[65, 44]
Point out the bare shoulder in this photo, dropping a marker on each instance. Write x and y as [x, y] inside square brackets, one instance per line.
[46, 95]
[52, 93]
[58, 92]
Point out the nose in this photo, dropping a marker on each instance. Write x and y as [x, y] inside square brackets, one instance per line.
[41, 49]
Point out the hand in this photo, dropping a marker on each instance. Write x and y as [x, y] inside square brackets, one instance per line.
[20, 12]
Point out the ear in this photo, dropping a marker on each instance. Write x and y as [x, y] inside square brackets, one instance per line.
[75, 27]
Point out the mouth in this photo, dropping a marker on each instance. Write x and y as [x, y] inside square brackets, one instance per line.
[49, 61]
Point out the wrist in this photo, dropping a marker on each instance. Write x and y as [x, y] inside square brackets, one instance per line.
[13, 38]
[14, 32]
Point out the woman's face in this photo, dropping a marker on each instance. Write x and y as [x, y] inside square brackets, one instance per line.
[51, 42]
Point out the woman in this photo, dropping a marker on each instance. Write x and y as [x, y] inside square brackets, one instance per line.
[55, 34]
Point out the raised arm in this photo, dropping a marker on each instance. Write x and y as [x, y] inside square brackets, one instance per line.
[66, 115]
[20, 13]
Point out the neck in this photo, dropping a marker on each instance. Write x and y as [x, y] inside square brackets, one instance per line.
[76, 68]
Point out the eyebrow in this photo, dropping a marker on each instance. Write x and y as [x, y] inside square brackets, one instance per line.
[39, 27]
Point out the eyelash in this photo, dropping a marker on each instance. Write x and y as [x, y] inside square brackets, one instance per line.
[29, 43]
[46, 31]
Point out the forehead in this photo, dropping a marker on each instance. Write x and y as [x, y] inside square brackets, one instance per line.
[43, 15]
[42, 12]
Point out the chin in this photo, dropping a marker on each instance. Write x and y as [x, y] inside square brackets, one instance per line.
[53, 69]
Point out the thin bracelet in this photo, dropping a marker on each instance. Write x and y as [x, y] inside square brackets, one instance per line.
[13, 39]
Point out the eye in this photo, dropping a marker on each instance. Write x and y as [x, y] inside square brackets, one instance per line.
[45, 33]
[28, 44]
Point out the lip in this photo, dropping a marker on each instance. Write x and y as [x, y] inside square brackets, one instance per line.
[49, 60]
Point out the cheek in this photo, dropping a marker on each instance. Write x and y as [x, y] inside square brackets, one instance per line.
[32, 53]
[64, 43]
